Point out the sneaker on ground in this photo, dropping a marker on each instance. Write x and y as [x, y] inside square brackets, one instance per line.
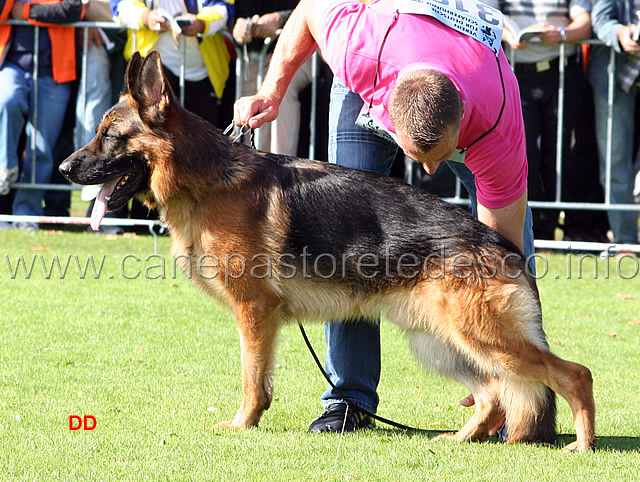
[24, 226]
[111, 229]
[338, 417]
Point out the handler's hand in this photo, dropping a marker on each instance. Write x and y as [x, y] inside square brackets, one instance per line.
[468, 401]
[253, 111]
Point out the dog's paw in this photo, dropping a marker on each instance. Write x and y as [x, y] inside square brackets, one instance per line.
[446, 436]
[233, 425]
[580, 446]
[227, 425]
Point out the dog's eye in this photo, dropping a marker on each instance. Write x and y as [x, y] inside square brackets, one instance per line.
[107, 136]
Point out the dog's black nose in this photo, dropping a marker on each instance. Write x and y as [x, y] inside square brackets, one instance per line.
[65, 168]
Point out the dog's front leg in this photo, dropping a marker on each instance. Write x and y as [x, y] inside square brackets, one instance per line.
[258, 327]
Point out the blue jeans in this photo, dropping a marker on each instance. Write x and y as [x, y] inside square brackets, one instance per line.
[352, 358]
[16, 109]
[624, 224]
[98, 95]
[353, 349]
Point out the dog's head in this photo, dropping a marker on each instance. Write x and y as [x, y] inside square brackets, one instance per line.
[128, 143]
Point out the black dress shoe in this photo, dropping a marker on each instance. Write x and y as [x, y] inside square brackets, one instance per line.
[333, 419]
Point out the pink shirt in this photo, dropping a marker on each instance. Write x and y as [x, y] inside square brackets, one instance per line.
[350, 36]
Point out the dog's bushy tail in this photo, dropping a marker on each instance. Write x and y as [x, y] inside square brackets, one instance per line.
[546, 425]
[530, 409]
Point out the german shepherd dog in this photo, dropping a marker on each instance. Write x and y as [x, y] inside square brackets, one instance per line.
[287, 239]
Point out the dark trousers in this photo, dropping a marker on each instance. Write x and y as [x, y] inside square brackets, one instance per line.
[539, 94]
[199, 97]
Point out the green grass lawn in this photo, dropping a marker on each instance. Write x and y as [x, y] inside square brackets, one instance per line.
[158, 365]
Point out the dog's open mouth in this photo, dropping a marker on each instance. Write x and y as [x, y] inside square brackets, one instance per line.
[113, 195]
[117, 180]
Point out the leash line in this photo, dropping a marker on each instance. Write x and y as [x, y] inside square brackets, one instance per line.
[350, 403]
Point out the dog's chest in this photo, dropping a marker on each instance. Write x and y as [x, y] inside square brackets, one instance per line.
[207, 267]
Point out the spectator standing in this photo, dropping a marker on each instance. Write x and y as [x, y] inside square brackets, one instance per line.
[165, 26]
[104, 74]
[536, 58]
[255, 22]
[57, 71]
[103, 80]
[615, 23]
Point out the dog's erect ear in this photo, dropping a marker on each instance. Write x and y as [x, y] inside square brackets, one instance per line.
[133, 69]
[147, 85]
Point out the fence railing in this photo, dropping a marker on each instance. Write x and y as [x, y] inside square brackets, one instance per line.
[457, 198]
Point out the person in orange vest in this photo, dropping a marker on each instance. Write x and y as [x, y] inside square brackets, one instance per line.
[56, 61]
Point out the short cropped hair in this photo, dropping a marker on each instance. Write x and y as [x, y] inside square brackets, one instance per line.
[424, 104]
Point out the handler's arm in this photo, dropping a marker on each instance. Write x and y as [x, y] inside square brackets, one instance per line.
[296, 44]
[508, 221]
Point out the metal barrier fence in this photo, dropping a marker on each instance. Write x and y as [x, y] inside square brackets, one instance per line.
[456, 199]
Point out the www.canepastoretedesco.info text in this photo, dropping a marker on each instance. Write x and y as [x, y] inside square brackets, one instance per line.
[286, 266]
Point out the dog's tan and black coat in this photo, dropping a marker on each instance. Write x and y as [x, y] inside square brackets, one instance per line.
[291, 239]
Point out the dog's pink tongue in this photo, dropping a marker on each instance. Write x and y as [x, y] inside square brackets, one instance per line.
[100, 204]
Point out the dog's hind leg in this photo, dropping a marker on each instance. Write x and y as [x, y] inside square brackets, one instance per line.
[258, 325]
[488, 413]
[517, 352]
[514, 345]
[445, 359]
[499, 330]
[570, 380]
[575, 384]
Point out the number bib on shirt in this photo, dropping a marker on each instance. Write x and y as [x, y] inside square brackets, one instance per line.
[366, 121]
[470, 17]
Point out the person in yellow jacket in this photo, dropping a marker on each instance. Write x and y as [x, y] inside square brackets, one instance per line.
[56, 71]
[183, 27]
